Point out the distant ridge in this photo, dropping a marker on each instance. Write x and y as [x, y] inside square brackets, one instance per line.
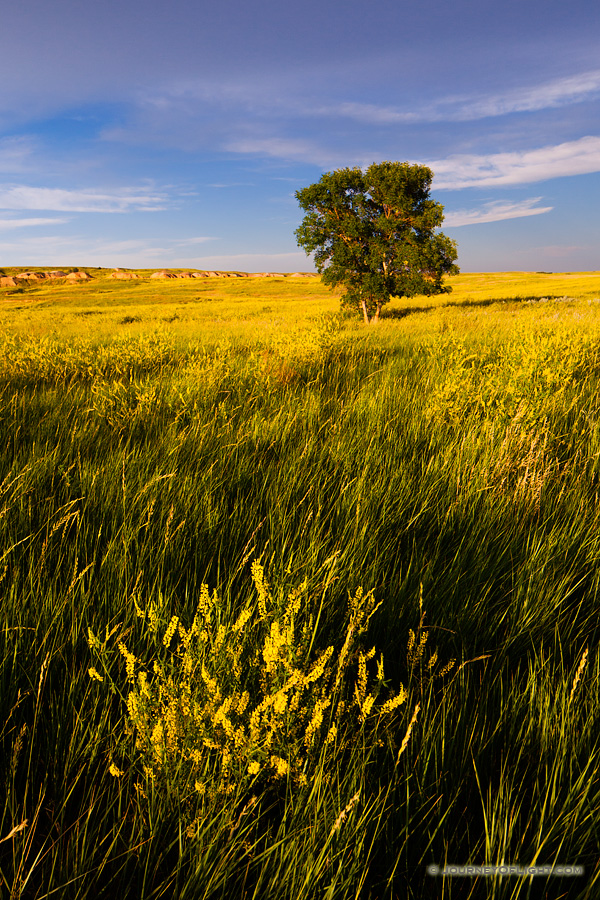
[12, 276]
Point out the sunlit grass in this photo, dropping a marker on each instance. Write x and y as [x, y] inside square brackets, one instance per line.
[292, 607]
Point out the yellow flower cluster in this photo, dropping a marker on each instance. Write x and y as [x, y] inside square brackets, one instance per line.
[252, 698]
[130, 660]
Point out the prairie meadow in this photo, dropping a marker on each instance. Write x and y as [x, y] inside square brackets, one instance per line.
[294, 607]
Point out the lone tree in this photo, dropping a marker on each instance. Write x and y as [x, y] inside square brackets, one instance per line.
[374, 233]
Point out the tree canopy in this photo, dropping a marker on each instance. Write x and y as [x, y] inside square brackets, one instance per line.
[374, 233]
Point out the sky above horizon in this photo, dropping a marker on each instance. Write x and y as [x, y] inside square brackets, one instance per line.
[175, 134]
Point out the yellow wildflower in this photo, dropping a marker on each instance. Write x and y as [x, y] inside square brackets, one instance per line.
[144, 686]
[280, 702]
[157, 738]
[242, 619]
[331, 734]
[116, 772]
[93, 642]
[254, 768]
[280, 765]
[171, 629]
[130, 660]
[432, 660]
[360, 688]
[394, 702]
[239, 737]
[243, 703]
[258, 576]
[221, 718]
[319, 667]
[273, 644]
[366, 707]
[95, 675]
[220, 636]
[316, 721]
[211, 683]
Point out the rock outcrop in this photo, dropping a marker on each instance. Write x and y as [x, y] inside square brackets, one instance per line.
[30, 276]
[265, 275]
[74, 277]
[37, 277]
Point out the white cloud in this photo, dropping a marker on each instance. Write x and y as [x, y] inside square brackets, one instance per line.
[20, 196]
[9, 224]
[495, 211]
[579, 157]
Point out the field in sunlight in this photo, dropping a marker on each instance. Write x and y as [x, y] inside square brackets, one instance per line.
[295, 607]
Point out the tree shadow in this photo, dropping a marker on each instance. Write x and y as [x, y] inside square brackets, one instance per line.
[411, 310]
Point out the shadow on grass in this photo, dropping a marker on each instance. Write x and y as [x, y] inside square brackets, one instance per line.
[411, 310]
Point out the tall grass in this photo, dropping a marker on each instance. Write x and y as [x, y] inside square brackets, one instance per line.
[384, 547]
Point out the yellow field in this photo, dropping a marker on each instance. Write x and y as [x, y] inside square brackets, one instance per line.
[213, 309]
[294, 606]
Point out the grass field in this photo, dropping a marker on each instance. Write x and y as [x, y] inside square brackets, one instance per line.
[294, 607]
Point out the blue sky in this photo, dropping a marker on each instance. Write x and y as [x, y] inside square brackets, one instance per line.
[176, 133]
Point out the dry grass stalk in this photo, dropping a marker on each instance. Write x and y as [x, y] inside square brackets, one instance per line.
[579, 673]
[408, 731]
[14, 831]
[340, 819]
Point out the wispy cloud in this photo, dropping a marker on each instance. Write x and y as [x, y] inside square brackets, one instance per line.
[495, 211]
[300, 150]
[15, 154]
[470, 107]
[554, 251]
[278, 147]
[549, 95]
[9, 224]
[46, 249]
[579, 157]
[90, 251]
[293, 261]
[20, 196]
[231, 184]
[194, 240]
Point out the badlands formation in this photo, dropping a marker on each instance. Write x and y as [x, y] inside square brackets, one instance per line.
[121, 275]
[32, 277]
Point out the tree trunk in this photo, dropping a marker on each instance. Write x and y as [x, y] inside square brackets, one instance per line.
[363, 303]
[376, 316]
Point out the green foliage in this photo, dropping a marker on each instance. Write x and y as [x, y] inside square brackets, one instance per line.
[374, 233]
